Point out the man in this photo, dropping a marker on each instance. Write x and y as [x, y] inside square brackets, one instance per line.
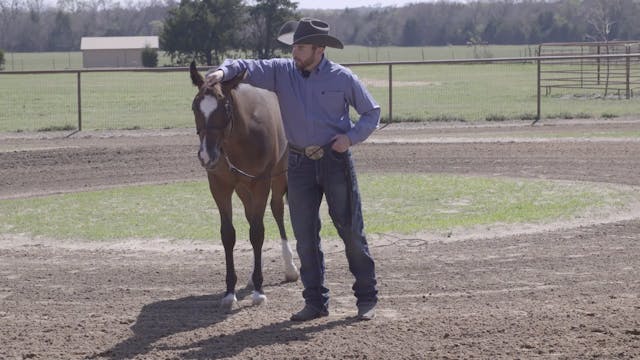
[314, 95]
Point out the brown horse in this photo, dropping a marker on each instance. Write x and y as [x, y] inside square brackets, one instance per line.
[243, 149]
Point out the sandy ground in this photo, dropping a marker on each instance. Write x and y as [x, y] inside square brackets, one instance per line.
[571, 292]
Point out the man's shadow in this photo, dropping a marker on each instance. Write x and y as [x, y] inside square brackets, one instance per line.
[225, 346]
[165, 318]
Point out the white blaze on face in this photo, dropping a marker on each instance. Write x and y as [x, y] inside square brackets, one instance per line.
[204, 154]
[207, 106]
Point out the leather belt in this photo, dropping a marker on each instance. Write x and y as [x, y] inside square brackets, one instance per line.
[313, 152]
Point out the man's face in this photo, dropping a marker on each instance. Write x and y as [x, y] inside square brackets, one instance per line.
[306, 56]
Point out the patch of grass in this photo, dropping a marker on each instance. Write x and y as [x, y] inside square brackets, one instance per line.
[445, 118]
[527, 116]
[583, 115]
[66, 127]
[496, 117]
[398, 203]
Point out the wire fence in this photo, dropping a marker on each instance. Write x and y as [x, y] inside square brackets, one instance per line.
[495, 89]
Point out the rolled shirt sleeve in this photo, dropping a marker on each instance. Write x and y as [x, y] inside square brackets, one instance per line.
[315, 108]
[367, 108]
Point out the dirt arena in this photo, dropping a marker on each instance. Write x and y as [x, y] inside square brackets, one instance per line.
[565, 293]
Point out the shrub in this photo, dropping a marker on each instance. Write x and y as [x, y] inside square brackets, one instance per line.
[495, 117]
[1, 59]
[528, 116]
[149, 57]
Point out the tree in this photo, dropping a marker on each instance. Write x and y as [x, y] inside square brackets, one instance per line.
[266, 18]
[149, 57]
[61, 37]
[600, 19]
[202, 29]
[410, 33]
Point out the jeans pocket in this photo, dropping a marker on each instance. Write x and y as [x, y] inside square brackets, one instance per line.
[294, 160]
[338, 156]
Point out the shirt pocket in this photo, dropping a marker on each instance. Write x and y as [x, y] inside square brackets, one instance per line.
[333, 102]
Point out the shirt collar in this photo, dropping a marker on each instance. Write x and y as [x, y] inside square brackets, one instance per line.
[321, 65]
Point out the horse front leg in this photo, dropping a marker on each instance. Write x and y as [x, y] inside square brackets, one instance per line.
[228, 235]
[256, 236]
[222, 192]
[254, 199]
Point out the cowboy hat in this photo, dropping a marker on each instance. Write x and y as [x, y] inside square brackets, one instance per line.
[308, 31]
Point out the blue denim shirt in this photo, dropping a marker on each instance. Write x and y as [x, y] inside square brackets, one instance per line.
[313, 109]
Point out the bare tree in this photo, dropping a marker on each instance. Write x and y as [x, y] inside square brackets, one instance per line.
[9, 10]
[598, 16]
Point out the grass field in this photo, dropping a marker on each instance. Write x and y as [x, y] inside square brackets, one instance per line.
[130, 100]
[392, 203]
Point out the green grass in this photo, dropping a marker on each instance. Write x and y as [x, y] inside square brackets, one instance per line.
[393, 203]
[127, 100]
[109, 101]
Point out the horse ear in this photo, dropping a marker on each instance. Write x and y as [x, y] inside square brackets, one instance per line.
[196, 78]
[233, 83]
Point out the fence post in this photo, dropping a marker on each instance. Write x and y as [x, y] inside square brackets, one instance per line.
[598, 65]
[538, 95]
[79, 87]
[628, 72]
[390, 93]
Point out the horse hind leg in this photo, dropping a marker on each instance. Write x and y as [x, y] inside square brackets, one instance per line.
[290, 269]
[277, 208]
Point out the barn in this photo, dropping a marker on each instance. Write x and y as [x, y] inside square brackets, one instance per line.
[115, 51]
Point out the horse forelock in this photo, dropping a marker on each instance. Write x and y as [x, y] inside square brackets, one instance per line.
[207, 100]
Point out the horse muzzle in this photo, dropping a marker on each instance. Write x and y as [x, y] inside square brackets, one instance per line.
[209, 158]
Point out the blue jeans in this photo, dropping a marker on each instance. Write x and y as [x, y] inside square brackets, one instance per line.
[334, 177]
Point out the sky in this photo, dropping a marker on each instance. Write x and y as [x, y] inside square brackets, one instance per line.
[341, 4]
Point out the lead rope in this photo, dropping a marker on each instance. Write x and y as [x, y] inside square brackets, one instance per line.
[237, 170]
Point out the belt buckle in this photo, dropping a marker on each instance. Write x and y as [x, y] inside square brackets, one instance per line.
[314, 152]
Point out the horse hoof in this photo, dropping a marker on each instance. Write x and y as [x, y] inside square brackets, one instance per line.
[258, 298]
[291, 276]
[228, 302]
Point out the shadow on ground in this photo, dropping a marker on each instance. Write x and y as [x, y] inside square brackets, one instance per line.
[165, 318]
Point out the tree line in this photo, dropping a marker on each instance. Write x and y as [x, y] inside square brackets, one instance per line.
[209, 28]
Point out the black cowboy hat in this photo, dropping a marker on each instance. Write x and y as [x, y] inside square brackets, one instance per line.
[308, 31]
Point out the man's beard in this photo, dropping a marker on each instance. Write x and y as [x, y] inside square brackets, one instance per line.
[302, 65]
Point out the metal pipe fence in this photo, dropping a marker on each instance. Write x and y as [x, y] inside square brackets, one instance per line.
[494, 89]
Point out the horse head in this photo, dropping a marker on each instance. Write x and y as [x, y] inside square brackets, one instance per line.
[214, 114]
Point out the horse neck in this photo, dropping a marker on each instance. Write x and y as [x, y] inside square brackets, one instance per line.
[240, 128]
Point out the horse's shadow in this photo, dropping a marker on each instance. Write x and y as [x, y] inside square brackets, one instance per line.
[165, 318]
[168, 317]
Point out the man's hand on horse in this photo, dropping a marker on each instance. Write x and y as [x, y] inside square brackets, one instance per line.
[213, 78]
[341, 143]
